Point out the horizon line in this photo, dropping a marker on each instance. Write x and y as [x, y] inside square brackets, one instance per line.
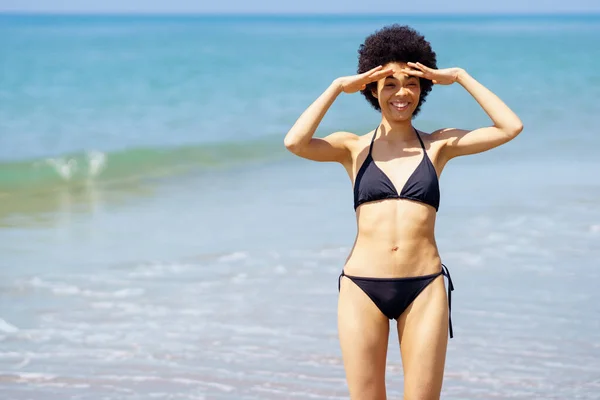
[297, 14]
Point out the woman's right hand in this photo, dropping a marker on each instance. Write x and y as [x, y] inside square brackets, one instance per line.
[354, 83]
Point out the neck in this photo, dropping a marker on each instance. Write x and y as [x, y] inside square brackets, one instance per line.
[401, 131]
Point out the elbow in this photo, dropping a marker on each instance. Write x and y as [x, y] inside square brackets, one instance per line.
[518, 128]
[290, 144]
[514, 129]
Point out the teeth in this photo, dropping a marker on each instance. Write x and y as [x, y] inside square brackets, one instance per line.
[399, 105]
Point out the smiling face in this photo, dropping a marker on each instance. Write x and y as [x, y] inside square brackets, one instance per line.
[398, 94]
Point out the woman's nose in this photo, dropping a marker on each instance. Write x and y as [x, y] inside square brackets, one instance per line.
[401, 91]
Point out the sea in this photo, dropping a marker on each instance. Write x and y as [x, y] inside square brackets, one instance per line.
[157, 240]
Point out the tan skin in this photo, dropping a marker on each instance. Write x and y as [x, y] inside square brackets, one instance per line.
[395, 237]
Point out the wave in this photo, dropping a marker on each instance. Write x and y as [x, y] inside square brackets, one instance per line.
[81, 168]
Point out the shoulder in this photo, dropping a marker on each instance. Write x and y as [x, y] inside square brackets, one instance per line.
[436, 138]
[445, 137]
[445, 134]
[344, 139]
[342, 136]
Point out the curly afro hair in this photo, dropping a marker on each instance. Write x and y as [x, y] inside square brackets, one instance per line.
[395, 43]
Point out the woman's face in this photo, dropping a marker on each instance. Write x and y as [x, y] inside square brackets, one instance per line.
[398, 94]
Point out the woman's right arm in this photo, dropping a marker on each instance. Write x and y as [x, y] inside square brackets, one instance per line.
[299, 140]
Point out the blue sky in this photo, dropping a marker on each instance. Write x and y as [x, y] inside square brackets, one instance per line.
[303, 6]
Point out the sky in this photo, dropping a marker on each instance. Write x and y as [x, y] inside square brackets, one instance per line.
[302, 6]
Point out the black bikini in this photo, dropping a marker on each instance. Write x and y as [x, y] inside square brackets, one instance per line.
[393, 295]
[372, 184]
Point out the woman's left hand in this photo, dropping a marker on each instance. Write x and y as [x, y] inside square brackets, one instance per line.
[445, 76]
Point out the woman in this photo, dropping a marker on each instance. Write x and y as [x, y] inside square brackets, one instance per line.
[394, 270]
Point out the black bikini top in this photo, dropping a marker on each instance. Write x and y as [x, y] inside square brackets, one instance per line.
[372, 184]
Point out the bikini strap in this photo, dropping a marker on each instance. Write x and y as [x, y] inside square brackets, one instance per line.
[446, 273]
[373, 141]
[416, 133]
[340, 280]
[420, 141]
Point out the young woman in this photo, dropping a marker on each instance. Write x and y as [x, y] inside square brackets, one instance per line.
[394, 271]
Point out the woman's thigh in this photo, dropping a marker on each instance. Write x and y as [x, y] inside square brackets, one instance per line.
[363, 332]
[423, 335]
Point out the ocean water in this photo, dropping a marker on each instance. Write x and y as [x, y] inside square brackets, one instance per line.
[157, 241]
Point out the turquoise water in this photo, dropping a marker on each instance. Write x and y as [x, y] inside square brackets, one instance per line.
[158, 241]
[75, 85]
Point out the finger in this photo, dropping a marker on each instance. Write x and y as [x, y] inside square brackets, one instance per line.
[369, 72]
[424, 67]
[419, 67]
[384, 73]
[413, 72]
[377, 76]
[381, 74]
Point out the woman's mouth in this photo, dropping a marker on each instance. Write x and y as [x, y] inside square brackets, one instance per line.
[400, 105]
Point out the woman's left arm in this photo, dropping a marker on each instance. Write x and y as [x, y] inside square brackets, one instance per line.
[459, 142]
